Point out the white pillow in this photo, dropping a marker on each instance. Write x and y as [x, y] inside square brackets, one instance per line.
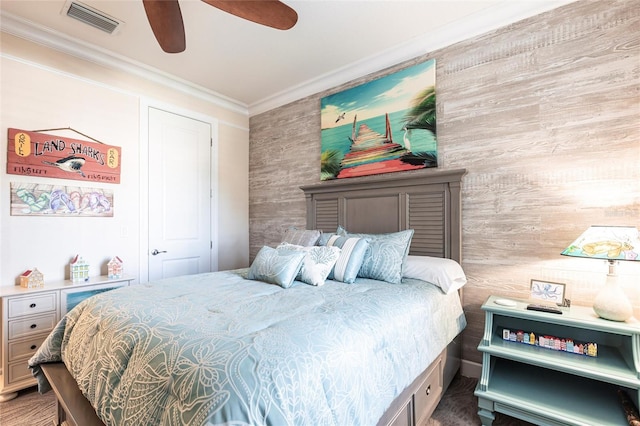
[445, 273]
[317, 263]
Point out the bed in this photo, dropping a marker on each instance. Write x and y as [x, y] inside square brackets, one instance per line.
[229, 348]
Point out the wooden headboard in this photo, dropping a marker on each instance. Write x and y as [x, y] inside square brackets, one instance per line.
[427, 202]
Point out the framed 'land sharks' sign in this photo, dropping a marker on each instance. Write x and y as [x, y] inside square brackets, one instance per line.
[382, 126]
[42, 155]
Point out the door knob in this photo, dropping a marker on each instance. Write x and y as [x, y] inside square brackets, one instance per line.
[156, 252]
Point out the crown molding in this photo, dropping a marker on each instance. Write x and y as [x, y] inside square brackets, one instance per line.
[476, 24]
[27, 30]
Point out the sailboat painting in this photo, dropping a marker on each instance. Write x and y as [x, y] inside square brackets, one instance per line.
[382, 126]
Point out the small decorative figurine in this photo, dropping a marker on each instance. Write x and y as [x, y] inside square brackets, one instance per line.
[551, 342]
[115, 268]
[78, 270]
[32, 278]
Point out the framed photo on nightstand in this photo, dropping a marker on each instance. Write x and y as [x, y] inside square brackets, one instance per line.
[549, 292]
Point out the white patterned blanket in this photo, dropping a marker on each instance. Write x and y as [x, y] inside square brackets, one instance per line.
[218, 349]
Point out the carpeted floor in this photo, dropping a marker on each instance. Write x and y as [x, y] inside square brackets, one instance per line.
[29, 409]
[457, 408]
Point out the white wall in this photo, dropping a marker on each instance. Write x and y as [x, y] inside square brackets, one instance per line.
[41, 88]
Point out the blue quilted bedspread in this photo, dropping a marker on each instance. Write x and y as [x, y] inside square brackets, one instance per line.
[217, 348]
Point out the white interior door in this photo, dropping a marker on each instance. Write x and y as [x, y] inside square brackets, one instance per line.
[179, 195]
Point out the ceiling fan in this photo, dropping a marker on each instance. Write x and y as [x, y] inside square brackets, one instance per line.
[165, 18]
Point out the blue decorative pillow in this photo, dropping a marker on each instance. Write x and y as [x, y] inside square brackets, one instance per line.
[317, 264]
[301, 237]
[324, 238]
[387, 253]
[276, 266]
[350, 260]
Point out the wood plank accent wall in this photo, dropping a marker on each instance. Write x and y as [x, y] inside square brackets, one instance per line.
[545, 116]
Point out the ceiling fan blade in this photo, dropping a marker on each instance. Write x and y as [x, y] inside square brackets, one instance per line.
[165, 19]
[271, 13]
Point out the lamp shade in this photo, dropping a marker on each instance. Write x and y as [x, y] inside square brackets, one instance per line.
[606, 242]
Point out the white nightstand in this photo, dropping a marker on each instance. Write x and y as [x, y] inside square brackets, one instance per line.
[549, 387]
[28, 315]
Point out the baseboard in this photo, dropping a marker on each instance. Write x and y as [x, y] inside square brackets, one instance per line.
[470, 369]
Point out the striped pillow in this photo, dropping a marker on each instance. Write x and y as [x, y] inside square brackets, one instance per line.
[351, 257]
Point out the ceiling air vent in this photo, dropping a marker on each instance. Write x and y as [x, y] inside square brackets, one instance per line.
[91, 16]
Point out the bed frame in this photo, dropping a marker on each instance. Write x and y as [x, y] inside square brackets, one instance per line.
[427, 201]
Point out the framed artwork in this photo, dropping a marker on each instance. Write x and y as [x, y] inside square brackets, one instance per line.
[548, 292]
[38, 154]
[382, 126]
[32, 199]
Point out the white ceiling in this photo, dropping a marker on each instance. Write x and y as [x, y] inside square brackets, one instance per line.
[258, 68]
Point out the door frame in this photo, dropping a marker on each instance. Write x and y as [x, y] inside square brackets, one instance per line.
[145, 104]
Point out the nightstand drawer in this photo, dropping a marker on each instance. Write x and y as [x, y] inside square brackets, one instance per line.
[19, 371]
[36, 304]
[427, 396]
[25, 348]
[31, 326]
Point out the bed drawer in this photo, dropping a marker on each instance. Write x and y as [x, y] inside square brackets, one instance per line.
[31, 326]
[404, 417]
[25, 348]
[428, 394]
[44, 302]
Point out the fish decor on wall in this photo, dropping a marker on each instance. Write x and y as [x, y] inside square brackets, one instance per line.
[32, 199]
[382, 126]
[42, 155]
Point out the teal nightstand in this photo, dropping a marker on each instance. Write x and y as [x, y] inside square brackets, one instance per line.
[549, 387]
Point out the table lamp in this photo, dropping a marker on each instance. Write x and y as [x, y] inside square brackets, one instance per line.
[611, 243]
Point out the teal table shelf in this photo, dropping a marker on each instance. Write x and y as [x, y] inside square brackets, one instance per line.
[550, 387]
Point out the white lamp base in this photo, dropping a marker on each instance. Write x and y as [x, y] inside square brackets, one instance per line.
[611, 303]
